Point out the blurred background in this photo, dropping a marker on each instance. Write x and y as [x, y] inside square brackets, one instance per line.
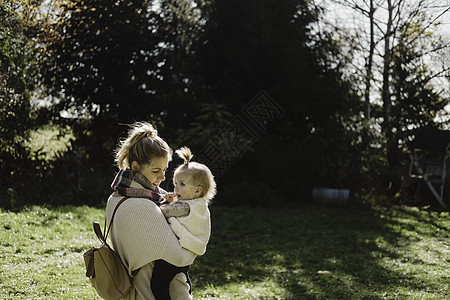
[277, 97]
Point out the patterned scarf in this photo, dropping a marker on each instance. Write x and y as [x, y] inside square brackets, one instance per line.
[125, 183]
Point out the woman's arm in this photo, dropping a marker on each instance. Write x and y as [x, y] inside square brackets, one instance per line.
[141, 235]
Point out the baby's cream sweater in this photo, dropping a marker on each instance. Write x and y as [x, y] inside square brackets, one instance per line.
[194, 229]
[141, 235]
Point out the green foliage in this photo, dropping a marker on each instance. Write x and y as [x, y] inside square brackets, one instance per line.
[17, 81]
[190, 67]
[50, 142]
[56, 171]
[271, 47]
[197, 135]
[302, 252]
[417, 100]
[109, 64]
[110, 58]
[16, 66]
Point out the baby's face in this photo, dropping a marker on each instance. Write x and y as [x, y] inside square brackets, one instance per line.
[185, 187]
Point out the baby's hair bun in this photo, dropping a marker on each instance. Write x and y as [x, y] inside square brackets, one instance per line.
[185, 154]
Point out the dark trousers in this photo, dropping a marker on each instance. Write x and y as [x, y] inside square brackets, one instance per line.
[163, 273]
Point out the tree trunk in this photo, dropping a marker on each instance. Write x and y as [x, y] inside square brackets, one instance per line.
[387, 104]
[369, 60]
[392, 151]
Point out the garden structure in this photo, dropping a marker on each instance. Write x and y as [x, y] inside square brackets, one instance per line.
[429, 153]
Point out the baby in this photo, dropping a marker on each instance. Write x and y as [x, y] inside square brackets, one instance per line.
[188, 216]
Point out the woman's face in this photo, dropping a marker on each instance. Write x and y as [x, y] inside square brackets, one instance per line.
[156, 170]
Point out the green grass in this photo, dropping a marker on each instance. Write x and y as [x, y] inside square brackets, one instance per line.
[41, 253]
[307, 252]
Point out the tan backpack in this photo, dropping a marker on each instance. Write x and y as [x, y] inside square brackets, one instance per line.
[106, 271]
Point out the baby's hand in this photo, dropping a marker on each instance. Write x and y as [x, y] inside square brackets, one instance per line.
[171, 197]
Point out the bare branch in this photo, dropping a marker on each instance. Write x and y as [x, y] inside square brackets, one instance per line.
[429, 25]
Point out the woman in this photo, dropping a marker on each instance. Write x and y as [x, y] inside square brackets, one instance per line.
[140, 232]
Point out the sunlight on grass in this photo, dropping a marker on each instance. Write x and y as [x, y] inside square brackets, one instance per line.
[243, 290]
[41, 253]
[308, 252]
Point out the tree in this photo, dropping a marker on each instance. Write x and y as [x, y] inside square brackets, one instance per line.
[397, 41]
[253, 46]
[409, 98]
[416, 98]
[117, 62]
[101, 57]
[107, 58]
[17, 80]
[369, 59]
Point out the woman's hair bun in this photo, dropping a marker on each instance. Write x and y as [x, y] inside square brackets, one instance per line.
[146, 128]
[151, 133]
[142, 145]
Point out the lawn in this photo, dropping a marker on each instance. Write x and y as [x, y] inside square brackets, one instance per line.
[304, 252]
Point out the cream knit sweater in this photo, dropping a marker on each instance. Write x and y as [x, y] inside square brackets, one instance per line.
[141, 235]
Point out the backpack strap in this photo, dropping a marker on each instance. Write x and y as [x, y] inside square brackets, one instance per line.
[102, 238]
[97, 228]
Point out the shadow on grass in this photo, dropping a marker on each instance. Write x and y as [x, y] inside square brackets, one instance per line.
[308, 252]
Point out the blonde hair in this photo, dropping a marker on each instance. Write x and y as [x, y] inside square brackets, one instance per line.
[142, 145]
[200, 173]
